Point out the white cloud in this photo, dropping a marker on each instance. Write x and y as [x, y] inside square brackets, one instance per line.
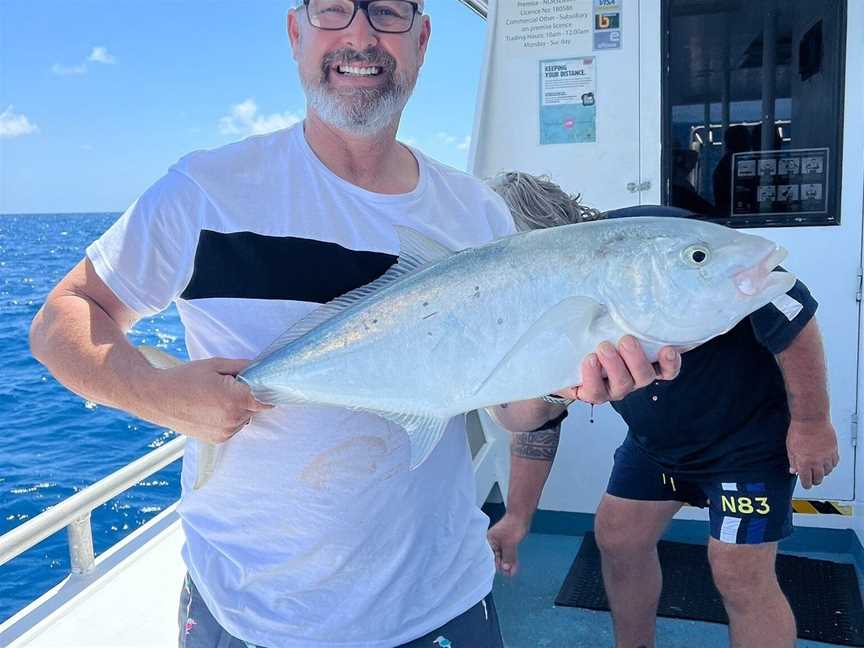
[410, 141]
[101, 55]
[12, 125]
[452, 140]
[98, 54]
[447, 138]
[244, 119]
[69, 70]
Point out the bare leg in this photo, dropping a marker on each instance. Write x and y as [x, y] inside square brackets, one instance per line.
[759, 614]
[627, 535]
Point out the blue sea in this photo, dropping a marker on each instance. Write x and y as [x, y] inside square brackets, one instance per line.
[52, 442]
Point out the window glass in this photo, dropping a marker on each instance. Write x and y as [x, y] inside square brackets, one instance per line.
[753, 96]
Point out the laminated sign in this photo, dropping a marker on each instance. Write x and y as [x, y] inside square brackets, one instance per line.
[780, 183]
[607, 24]
[568, 111]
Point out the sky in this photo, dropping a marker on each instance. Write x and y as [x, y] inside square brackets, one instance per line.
[99, 97]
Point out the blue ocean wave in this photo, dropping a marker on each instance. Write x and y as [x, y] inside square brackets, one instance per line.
[54, 443]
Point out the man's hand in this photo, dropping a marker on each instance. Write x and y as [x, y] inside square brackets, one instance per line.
[812, 449]
[610, 374]
[202, 399]
[79, 334]
[504, 538]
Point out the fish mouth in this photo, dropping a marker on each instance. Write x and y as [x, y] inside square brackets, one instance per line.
[752, 281]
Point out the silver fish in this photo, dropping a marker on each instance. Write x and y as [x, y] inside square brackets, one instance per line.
[443, 333]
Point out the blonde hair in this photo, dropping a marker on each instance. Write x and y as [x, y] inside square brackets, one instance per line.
[536, 202]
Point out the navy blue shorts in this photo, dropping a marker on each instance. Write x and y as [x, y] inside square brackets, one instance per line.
[477, 627]
[749, 511]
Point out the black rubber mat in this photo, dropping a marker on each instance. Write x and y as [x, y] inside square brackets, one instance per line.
[824, 595]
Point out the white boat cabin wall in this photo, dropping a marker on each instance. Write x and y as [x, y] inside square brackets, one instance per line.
[632, 102]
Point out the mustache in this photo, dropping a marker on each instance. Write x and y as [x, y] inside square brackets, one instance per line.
[346, 56]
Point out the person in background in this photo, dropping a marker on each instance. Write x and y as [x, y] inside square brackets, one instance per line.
[683, 193]
[535, 202]
[312, 531]
[736, 139]
[746, 418]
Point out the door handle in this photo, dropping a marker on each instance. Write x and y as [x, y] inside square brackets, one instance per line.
[633, 187]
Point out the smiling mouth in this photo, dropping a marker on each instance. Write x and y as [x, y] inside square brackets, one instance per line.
[752, 280]
[359, 70]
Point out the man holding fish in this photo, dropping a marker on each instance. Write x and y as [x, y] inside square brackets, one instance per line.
[312, 530]
[731, 433]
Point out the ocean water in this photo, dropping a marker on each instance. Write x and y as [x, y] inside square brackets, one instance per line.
[52, 442]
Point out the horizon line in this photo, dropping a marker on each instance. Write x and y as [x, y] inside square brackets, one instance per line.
[73, 213]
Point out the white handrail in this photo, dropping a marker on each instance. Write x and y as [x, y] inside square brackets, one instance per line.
[74, 512]
[480, 7]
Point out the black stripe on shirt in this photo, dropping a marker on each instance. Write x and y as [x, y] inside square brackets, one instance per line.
[245, 265]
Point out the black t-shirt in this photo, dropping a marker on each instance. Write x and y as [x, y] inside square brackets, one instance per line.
[726, 412]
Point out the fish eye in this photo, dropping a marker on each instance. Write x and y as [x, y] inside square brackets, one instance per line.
[696, 255]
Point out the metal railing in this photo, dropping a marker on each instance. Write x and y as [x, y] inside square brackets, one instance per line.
[480, 7]
[74, 512]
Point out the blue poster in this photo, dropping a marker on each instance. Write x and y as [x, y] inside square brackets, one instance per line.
[568, 111]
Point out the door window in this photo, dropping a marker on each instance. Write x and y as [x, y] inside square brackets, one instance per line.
[753, 96]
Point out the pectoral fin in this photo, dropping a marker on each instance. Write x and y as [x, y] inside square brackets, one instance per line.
[575, 320]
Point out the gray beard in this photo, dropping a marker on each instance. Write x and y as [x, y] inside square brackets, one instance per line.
[361, 111]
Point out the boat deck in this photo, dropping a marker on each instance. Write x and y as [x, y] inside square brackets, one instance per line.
[132, 599]
[529, 619]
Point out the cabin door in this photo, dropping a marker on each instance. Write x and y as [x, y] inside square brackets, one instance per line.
[762, 129]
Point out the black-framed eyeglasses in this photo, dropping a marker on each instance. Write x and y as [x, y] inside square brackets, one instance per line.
[388, 16]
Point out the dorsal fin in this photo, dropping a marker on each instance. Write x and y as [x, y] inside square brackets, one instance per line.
[419, 248]
[416, 251]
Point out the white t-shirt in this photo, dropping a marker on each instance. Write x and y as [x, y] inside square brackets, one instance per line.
[312, 531]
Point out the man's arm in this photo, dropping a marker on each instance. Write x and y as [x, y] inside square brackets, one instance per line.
[811, 442]
[79, 334]
[531, 457]
[610, 374]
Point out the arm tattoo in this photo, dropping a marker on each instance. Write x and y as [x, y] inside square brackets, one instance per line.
[540, 444]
